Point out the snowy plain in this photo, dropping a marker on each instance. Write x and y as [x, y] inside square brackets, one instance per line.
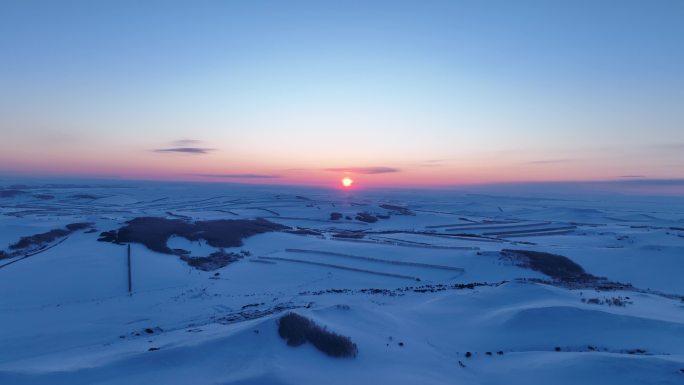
[425, 291]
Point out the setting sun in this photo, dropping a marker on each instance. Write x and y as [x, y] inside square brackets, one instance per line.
[347, 181]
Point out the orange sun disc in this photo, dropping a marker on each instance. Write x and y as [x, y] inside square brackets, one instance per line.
[347, 181]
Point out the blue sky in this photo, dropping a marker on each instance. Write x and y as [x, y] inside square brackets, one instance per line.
[444, 92]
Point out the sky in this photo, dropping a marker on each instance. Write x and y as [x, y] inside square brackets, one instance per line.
[389, 93]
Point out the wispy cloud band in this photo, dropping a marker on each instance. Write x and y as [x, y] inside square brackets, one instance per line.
[185, 150]
[237, 176]
[551, 161]
[364, 170]
[185, 142]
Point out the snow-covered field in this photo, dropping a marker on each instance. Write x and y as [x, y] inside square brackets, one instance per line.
[425, 292]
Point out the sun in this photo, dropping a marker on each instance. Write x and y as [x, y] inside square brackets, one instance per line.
[347, 181]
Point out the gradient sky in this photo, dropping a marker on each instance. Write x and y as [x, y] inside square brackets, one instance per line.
[394, 92]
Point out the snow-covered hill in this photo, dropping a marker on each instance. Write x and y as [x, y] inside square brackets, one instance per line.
[417, 281]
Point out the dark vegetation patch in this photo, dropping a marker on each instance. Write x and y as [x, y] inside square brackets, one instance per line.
[35, 239]
[108, 236]
[366, 217]
[154, 232]
[251, 313]
[554, 265]
[349, 234]
[11, 193]
[636, 351]
[427, 288]
[78, 226]
[214, 261]
[301, 231]
[599, 284]
[398, 209]
[40, 240]
[297, 330]
[335, 216]
[84, 196]
[593, 348]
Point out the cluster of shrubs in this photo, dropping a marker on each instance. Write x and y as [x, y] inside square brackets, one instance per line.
[592, 348]
[47, 237]
[362, 216]
[400, 291]
[555, 266]
[366, 217]
[398, 209]
[297, 330]
[214, 261]
[613, 301]
[499, 353]
[37, 239]
[372, 218]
